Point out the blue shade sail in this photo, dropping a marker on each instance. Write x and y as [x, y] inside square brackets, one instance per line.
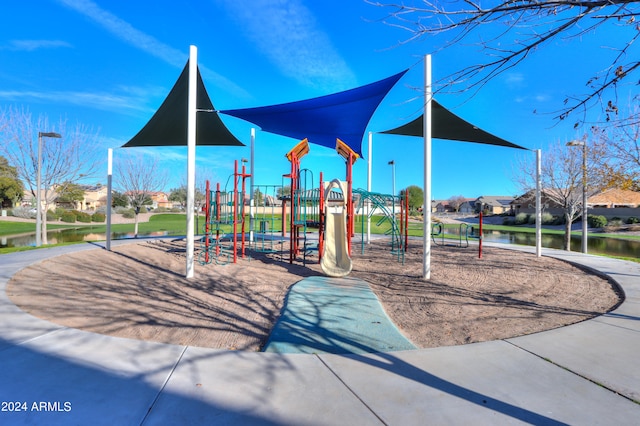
[447, 125]
[168, 126]
[344, 115]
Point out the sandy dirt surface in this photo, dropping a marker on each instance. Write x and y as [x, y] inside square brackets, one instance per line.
[139, 291]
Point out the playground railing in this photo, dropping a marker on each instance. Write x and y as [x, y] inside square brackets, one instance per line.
[440, 237]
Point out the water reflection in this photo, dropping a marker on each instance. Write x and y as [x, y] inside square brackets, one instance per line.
[597, 245]
[71, 236]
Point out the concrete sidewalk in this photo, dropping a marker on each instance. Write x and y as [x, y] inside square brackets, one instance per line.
[585, 373]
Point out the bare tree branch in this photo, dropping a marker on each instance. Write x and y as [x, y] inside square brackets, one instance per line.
[561, 175]
[63, 160]
[138, 179]
[528, 25]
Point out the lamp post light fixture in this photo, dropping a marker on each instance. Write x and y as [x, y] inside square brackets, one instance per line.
[583, 144]
[39, 184]
[392, 163]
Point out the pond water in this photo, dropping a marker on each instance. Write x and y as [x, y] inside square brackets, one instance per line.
[69, 236]
[597, 245]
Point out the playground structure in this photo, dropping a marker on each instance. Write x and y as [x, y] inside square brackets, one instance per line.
[268, 212]
[465, 232]
[224, 214]
[301, 204]
[329, 208]
[385, 207]
[323, 209]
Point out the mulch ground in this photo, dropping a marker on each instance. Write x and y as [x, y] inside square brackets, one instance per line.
[139, 291]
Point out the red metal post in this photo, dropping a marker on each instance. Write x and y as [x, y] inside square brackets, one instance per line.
[207, 216]
[349, 202]
[406, 220]
[244, 176]
[480, 238]
[235, 211]
[217, 213]
[293, 235]
[321, 214]
[284, 216]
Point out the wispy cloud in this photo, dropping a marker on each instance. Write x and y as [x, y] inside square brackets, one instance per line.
[540, 97]
[31, 45]
[288, 34]
[103, 101]
[514, 80]
[149, 44]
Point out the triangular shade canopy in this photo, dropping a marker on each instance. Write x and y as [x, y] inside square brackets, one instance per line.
[322, 120]
[168, 126]
[446, 125]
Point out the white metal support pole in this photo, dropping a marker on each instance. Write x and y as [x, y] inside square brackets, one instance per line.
[252, 201]
[426, 208]
[109, 185]
[191, 157]
[369, 165]
[585, 217]
[538, 203]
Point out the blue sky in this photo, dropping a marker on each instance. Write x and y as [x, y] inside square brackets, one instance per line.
[110, 64]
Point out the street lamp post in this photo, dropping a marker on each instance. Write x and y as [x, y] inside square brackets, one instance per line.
[39, 184]
[583, 144]
[392, 163]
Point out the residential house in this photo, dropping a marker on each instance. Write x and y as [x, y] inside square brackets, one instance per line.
[526, 203]
[614, 198]
[29, 199]
[494, 204]
[468, 207]
[95, 196]
[608, 203]
[613, 202]
[160, 199]
[442, 206]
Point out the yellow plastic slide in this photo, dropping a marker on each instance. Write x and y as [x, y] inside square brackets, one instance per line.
[335, 256]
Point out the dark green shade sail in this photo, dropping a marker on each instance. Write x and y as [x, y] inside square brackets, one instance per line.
[447, 125]
[168, 126]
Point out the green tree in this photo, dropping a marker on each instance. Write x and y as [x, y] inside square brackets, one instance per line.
[11, 191]
[11, 188]
[69, 193]
[179, 195]
[258, 197]
[118, 199]
[284, 191]
[415, 196]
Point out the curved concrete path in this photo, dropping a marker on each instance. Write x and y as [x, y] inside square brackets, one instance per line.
[337, 316]
[587, 374]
